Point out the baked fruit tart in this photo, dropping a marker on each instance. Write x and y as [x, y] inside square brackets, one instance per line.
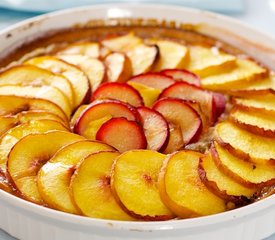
[135, 121]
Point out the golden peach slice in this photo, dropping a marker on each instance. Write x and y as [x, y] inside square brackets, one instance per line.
[134, 184]
[182, 190]
[49, 93]
[29, 154]
[264, 103]
[11, 137]
[91, 190]
[244, 72]
[35, 76]
[79, 81]
[54, 177]
[149, 94]
[122, 43]
[11, 105]
[222, 185]
[90, 49]
[206, 61]
[93, 68]
[143, 58]
[119, 67]
[248, 174]
[246, 145]
[171, 55]
[253, 121]
[9, 121]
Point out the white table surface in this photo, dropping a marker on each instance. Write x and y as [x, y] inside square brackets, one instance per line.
[258, 13]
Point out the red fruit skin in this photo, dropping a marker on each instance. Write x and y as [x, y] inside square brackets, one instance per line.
[130, 110]
[132, 134]
[154, 80]
[220, 103]
[147, 114]
[104, 91]
[183, 75]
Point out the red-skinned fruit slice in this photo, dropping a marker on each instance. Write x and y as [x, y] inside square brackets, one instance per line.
[118, 91]
[102, 108]
[180, 116]
[182, 75]
[155, 128]
[122, 134]
[154, 80]
[187, 91]
[220, 102]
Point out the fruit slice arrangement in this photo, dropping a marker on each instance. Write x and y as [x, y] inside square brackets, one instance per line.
[130, 129]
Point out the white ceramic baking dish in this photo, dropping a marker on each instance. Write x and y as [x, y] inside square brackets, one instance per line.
[25, 220]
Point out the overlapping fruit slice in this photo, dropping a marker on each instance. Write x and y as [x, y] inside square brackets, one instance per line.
[248, 174]
[185, 124]
[54, 177]
[222, 185]
[206, 61]
[119, 67]
[172, 54]
[101, 111]
[254, 121]
[11, 105]
[91, 190]
[182, 190]
[245, 71]
[45, 92]
[93, 68]
[24, 162]
[78, 79]
[11, 137]
[34, 76]
[246, 145]
[90, 49]
[134, 184]
[118, 91]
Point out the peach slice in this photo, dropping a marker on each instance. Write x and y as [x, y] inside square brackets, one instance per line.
[118, 91]
[91, 188]
[149, 94]
[183, 75]
[104, 108]
[179, 114]
[248, 174]
[246, 145]
[153, 80]
[245, 71]
[182, 190]
[222, 185]
[119, 67]
[49, 93]
[122, 43]
[264, 103]
[143, 58]
[79, 81]
[187, 91]
[77, 114]
[206, 61]
[171, 55]
[135, 173]
[53, 179]
[93, 68]
[220, 104]
[90, 49]
[122, 134]
[155, 128]
[24, 162]
[9, 121]
[253, 121]
[34, 76]
[11, 105]
[12, 136]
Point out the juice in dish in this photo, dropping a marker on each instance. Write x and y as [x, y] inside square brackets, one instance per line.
[139, 121]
